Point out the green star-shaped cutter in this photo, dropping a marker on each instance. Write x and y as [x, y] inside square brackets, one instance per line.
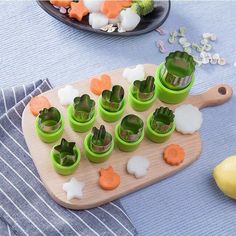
[65, 153]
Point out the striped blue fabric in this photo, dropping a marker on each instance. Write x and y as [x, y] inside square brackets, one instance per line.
[25, 206]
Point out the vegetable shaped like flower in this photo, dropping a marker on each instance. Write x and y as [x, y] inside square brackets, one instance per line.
[65, 153]
[101, 140]
[162, 120]
[112, 100]
[178, 70]
[84, 108]
[144, 90]
[131, 128]
[49, 120]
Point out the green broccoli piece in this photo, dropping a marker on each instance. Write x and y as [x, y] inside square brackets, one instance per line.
[143, 7]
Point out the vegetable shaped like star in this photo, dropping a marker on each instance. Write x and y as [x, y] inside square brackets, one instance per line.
[74, 189]
[78, 10]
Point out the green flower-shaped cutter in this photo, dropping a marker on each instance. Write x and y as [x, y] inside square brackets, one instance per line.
[160, 125]
[84, 108]
[82, 114]
[168, 95]
[49, 125]
[178, 70]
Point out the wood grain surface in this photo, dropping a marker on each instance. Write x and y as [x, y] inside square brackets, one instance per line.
[89, 172]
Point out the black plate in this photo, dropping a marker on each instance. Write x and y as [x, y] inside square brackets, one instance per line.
[147, 23]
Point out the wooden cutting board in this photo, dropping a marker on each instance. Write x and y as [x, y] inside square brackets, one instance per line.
[89, 172]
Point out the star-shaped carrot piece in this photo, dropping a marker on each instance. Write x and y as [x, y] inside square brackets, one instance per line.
[61, 3]
[112, 8]
[78, 10]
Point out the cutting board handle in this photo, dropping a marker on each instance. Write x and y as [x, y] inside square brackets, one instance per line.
[216, 95]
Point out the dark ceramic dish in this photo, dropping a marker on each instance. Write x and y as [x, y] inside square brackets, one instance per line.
[148, 23]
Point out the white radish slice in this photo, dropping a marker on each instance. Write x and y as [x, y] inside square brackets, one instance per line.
[74, 189]
[97, 20]
[67, 94]
[129, 19]
[188, 119]
[138, 166]
[93, 5]
[136, 73]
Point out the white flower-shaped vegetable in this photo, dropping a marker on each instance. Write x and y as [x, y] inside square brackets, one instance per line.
[129, 19]
[136, 73]
[188, 119]
[138, 166]
[67, 94]
[74, 189]
[97, 20]
[93, 5]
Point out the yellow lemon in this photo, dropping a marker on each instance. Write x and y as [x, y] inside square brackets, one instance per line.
[225, 176]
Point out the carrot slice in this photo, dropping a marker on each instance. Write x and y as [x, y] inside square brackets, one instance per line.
[36, 104]
[61, 3]
[98, 85]
[174, 154]
[109, 179]
[78, 10]
[112, 8]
